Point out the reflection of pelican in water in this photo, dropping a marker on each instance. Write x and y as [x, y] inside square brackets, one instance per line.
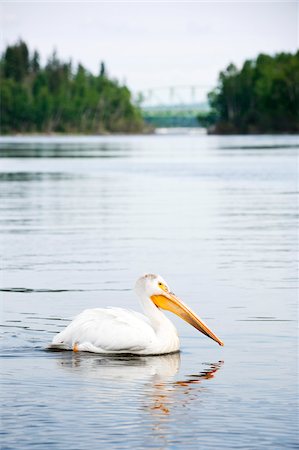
[178, 401]
[147, 394]
[118, 368]
[116, 330]
[157, 375]
[164, 393]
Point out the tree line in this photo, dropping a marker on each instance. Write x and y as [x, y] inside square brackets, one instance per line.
[261, 97]
[61, 98]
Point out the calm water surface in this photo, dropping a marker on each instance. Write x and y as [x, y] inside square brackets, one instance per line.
[81, 219]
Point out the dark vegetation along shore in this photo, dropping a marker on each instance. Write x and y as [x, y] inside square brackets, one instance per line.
[261, 97]
[60, 98]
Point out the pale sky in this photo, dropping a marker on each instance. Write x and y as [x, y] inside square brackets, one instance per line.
[151, 44]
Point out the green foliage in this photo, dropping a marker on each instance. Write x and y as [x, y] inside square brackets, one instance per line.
[171, 118]
[207, 118]
[262, 97]
[16, 61]
[57, 98]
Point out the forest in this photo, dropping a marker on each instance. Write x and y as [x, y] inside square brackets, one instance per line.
[261, 97]
[60, 98]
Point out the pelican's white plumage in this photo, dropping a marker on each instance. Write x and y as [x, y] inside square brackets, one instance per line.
[117, 330]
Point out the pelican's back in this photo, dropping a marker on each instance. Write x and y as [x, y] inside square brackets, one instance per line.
[111, 330]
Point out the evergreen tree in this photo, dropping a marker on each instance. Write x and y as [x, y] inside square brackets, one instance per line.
[262, 97]
[35, 62]
[102, 69]
[16, 61]
[57, 98]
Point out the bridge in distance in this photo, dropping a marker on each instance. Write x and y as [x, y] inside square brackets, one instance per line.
[174, 106]
[174, 96]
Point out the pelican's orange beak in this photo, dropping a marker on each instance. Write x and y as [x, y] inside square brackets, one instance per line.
[170, 302]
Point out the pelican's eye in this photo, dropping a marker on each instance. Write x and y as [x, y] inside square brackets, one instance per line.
[163, 287]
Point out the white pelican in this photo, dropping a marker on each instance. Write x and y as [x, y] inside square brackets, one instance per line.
[117, 330]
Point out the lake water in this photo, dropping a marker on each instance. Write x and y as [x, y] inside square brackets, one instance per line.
[81, 219]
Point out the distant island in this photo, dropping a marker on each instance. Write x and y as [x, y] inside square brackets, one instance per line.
[59, 98]
[261, 97]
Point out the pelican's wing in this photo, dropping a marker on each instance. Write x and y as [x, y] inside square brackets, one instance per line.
[107, 330]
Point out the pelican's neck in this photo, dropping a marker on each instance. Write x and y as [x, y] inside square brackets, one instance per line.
[156, 316]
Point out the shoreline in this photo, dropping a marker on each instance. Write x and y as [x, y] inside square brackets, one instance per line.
[155, 132]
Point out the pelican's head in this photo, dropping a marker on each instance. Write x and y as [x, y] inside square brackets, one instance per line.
[155, 288]
[150, 284]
